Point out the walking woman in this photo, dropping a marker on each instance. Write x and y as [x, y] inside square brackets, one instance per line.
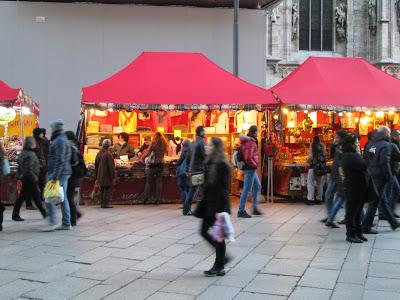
[79, 170]
[355, 188]
[216, 199]
[28, 173]
[155, 157]
[317, 171]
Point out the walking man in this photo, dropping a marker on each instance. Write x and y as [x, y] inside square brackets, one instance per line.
[249, 153]
[195, 164]
[59, 167]
[378, 155]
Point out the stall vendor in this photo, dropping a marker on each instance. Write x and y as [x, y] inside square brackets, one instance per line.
[122, 148]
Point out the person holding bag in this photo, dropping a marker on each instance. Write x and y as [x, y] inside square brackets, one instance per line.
[158, 149]
[105, 173]
[28, 173]
[217, 179]
[195, 167]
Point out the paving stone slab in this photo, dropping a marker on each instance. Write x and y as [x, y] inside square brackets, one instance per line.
[308, 293]
[272, 284]
[383, 284]
[388, 256]
[319, 278]
[190, 283]
[257, 296]
[18, 288]
[385, 270]
[330, 263]
[375, 295]
[290, 267]
[139, 289]
[185, 261]
[297, 252]
[150, 263]
[165, 273]
[123, 278]
[219, 292]
[344, 291]
[169, 296]
[97, 292]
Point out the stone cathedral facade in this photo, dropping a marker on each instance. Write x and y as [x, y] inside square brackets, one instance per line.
[297, 29]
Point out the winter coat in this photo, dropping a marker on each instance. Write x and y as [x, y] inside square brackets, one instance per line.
[197, 147]
[122, 150]
[395, 159]
[104, 168]
[378, 158]
[59, 161]
[249, 149]
[39, 150]
[76, 179]
[355, 175]
[337, 171]
[216, 193]
[159, 149]
[28, 165]
[181, 163]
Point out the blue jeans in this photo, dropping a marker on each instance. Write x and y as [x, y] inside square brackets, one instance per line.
[335, 208]
[329, 194]
[251, 184]
[392, 192]
[51, 207]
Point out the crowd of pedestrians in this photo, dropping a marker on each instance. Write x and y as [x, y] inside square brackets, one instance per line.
[368, 179]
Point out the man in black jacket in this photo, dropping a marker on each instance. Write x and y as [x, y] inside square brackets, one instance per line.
[40, 151]
[378, 155]
[195, 164]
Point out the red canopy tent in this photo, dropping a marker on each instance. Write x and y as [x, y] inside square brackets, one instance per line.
[322, 82]
[8, 94]
[175, 78]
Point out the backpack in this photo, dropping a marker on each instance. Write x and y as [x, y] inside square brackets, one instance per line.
[319, 165]
[237, 159]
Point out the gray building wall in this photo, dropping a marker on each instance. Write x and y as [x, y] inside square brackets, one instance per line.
[375, 38]
[81, 44]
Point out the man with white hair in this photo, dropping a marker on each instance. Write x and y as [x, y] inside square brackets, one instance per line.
[378, 155]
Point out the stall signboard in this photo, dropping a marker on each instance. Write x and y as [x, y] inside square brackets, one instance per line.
[14, 127]
[6, 115]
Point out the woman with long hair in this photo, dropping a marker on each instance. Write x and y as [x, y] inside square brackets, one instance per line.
[316, 172]
[155, 158]
[216, 199]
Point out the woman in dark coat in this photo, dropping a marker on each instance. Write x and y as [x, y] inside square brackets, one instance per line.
[155, 161]
[105, 173]
[355, 188]
[78, 172]
[216, 199]
[28, 173]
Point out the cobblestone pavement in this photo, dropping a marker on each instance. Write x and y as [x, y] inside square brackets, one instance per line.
[149, 252]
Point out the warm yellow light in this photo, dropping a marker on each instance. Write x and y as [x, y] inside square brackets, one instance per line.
[368, 112]
[285, 111]
[391, 112]
[340, 114]
[357, 119]
[349, 114]
[291, 124]
[306, 111]
[380, 114]
[276, 117]
[365, 120]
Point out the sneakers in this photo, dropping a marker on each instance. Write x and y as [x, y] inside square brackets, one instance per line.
[362, 237]
[332, 225]
[256, 212]
[64, 227]
[243, 214]
[187, 213]
[17, 219]
[213, 272]
[50, 228]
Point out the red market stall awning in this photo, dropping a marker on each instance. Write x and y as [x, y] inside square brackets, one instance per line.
[331, 82]
[175, 78]
[8, 94]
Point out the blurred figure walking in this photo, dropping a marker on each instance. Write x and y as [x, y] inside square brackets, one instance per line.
[28, 172]
[216, 200]
[3, 158]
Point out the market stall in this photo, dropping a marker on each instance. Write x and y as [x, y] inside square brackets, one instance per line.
[18, 117]
[171, 93]
[320, 97]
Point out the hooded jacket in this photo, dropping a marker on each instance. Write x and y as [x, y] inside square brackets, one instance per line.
[378, 158]
[59, 162]
[249, 149]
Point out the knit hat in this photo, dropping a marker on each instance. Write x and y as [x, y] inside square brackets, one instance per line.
[57, 125]
[106, 143]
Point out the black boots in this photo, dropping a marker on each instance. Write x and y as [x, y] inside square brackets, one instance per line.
[2, 209]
